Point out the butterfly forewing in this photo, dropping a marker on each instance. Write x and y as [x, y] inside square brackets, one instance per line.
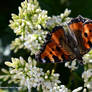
[55, 48]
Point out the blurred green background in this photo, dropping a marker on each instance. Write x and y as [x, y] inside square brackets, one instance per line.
[54, 7]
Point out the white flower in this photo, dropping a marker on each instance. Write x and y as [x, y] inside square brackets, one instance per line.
[72, 65]
[28, 75]
[28, 24]
[87, 74]
[84, 90]
[89, 86]
[17, 44]
[87, 58]
[60, 88]
[33, 42]
[66, 13]
[77, 89]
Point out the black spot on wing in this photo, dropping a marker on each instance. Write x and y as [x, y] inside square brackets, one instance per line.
[53, 49]
[85, 34]
[63, 57]
[50, 52]
[56, 58]
[47, 60]
[90, 30]
[90, 44]
[57, 48]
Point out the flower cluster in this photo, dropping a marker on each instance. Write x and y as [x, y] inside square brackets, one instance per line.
[27, 24]
[31, 23]
[60, 88]
[88, 57]
[29, 19]
[58, 20]
[17, 44]
[28, 75]
[87, 74]
[72, 65]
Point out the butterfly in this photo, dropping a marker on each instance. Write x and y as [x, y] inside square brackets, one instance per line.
[65, 45]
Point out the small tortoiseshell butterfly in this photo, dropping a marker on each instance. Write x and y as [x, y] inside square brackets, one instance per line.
[62, 45]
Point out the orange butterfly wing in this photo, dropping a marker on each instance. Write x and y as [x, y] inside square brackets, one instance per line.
[76, 25]
[62, 45]
[87, 34]
[55, 48]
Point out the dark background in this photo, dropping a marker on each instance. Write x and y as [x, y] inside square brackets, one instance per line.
[54, 7]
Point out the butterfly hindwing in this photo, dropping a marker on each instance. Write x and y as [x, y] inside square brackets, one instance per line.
[76, 25]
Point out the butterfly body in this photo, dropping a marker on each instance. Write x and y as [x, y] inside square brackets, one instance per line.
[65, 45]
